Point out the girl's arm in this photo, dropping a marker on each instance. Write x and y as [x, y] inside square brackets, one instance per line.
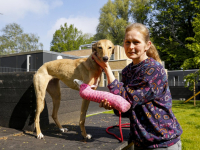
[110, 77]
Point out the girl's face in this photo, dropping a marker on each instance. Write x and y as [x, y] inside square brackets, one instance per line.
[135, 46]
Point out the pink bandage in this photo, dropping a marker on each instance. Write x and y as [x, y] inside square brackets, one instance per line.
[115, 101]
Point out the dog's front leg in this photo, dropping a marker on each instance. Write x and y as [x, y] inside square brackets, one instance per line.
[84, 107]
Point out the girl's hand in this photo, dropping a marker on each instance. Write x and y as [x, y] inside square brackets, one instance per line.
[105, 104]
[100, 62]
[105, 66]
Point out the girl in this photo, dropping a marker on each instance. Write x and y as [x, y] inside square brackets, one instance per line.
[144, 85]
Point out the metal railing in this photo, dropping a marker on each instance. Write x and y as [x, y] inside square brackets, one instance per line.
[176, 83]
[9, 69]
[179, 83]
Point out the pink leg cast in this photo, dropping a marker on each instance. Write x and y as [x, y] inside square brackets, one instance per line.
[116, 101]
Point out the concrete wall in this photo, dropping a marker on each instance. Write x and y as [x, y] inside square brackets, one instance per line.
[18, 103]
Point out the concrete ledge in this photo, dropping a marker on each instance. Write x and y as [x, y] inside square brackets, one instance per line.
[18, 103]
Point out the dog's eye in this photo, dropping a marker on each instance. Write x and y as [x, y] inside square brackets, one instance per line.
[110, 47]
[100, 47]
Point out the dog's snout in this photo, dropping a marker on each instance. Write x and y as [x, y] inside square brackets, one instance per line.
[105, 58]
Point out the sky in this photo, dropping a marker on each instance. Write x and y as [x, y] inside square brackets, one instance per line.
[44, 17]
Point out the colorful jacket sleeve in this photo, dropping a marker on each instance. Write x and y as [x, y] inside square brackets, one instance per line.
[145, 84]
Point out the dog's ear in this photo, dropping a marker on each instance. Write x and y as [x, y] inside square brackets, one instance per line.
[94, 47]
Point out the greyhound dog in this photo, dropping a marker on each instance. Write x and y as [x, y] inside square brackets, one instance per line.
[48, 75]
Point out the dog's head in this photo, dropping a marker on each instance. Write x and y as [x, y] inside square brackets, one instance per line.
[104, 49]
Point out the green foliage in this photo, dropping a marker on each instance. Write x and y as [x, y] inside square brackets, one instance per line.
[116, 15]
[193, 62]
[113, 20]
[139, 10]
[191, 79]
[69, 38]
[14, 40]
[194, 46]
[171, 23]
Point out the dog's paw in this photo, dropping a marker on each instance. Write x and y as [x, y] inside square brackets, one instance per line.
[63, 130]
[40, 136]
[88, 136]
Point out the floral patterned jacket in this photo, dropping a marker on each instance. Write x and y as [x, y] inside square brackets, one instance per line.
[152, 122]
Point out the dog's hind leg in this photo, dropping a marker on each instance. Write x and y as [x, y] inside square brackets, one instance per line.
[40, 84]
[53, 89]
[84, 107]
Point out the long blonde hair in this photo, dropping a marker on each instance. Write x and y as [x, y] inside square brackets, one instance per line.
[152, 51]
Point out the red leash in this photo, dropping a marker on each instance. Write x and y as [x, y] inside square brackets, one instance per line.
[126, 125]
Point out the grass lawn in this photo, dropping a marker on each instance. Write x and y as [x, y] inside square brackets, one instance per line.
[189, 118]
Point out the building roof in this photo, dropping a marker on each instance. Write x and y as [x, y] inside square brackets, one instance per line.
[39, 51]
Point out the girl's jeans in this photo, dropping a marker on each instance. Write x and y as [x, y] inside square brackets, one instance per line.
[176, 146]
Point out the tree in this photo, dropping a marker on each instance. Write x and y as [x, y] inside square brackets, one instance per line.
[69, 38]
[169, 21]
[194, 62]
[113, 21]
[116, 15]
[14, 40]
[170, 24]
[140, 10]
[190, 81]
